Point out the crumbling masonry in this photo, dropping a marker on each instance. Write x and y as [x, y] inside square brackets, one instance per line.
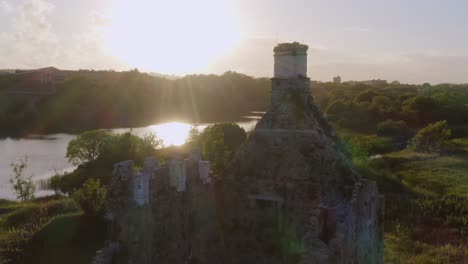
[290, 195]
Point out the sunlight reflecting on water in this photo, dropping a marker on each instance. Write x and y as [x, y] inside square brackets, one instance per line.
[47, 152]
[176, 133]
[173, 133]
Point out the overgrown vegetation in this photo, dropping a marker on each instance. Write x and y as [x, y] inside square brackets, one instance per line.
[24, 186]
[420, 136]
[91, 198]
[433, 139]
[426, 210]
[362, 107]
[218, 143]
[96, 160]
[20, 221]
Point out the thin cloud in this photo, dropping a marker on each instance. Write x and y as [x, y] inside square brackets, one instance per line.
[30, 41]
[357, 29]
[5, 7]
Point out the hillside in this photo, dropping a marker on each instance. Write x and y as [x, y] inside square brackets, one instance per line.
[84, 100]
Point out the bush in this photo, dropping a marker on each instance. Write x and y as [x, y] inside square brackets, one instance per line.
[220, 142]
[433, 138]
[394, 129]
[87, 146]
[12, 243]
[22, 224]
[91, 198]
[24, 187]
[115, 148]
[37, 214]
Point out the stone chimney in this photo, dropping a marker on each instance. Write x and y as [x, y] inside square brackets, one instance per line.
[290, 73]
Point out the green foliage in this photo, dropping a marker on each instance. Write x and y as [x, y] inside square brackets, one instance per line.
[356, 149]
[361, 107]
[285, 240]
[219, 143]
[114, 148]
[193, 137]
[400, 247]
[394, 129]
[12, 244]
[127, 146]
[382, 105]
[337, 107]
[91, 198]
[452, 209]
[87, 146]
[19, 226]
[433, 138]
[55, 183]
[366, 96]
[422, 110]
[24, 187]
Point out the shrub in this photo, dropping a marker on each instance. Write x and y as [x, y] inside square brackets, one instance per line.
[22, 224]
[24, 187]
[337, 107]
[37, 214]
[433, 138]
[91, 198]
[220, 142]
[87, 146]
[12, 243]
[395, 129]
[366, 96]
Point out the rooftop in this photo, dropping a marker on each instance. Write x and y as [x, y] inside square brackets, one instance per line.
[294, 46]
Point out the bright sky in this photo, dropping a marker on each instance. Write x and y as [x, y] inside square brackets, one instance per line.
[413, 41]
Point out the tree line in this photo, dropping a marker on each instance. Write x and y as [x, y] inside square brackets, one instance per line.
[92, 100]
[396, 110]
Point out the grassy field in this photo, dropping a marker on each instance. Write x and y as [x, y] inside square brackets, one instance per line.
[48, 230]
[426, 211]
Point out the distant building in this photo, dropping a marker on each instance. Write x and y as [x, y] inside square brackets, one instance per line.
[375, 83]
[337, 80]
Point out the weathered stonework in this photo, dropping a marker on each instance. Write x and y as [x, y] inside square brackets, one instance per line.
[290, 73]
[294, 196]
[290, 195]
[161, 214]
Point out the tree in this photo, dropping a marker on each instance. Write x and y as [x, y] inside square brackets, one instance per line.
[395, 129]
[91, 197]
[337, 107]
[424, 108]
[432, 138]
[151, 141]
[193, 137]
[87, 146]
[366, 96]
[381, 105]
[220, 142]
[24, 187]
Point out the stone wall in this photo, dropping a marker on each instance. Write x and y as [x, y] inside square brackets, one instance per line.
[162, 214]
[283, 89]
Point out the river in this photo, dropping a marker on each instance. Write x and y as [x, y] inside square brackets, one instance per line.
[46, 153]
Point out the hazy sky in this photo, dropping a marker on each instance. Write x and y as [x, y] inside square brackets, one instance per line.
[412, 41]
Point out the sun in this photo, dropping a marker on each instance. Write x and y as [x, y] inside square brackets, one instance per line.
[171, 36]
[172, 134]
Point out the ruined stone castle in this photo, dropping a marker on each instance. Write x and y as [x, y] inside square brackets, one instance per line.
[290, 195]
